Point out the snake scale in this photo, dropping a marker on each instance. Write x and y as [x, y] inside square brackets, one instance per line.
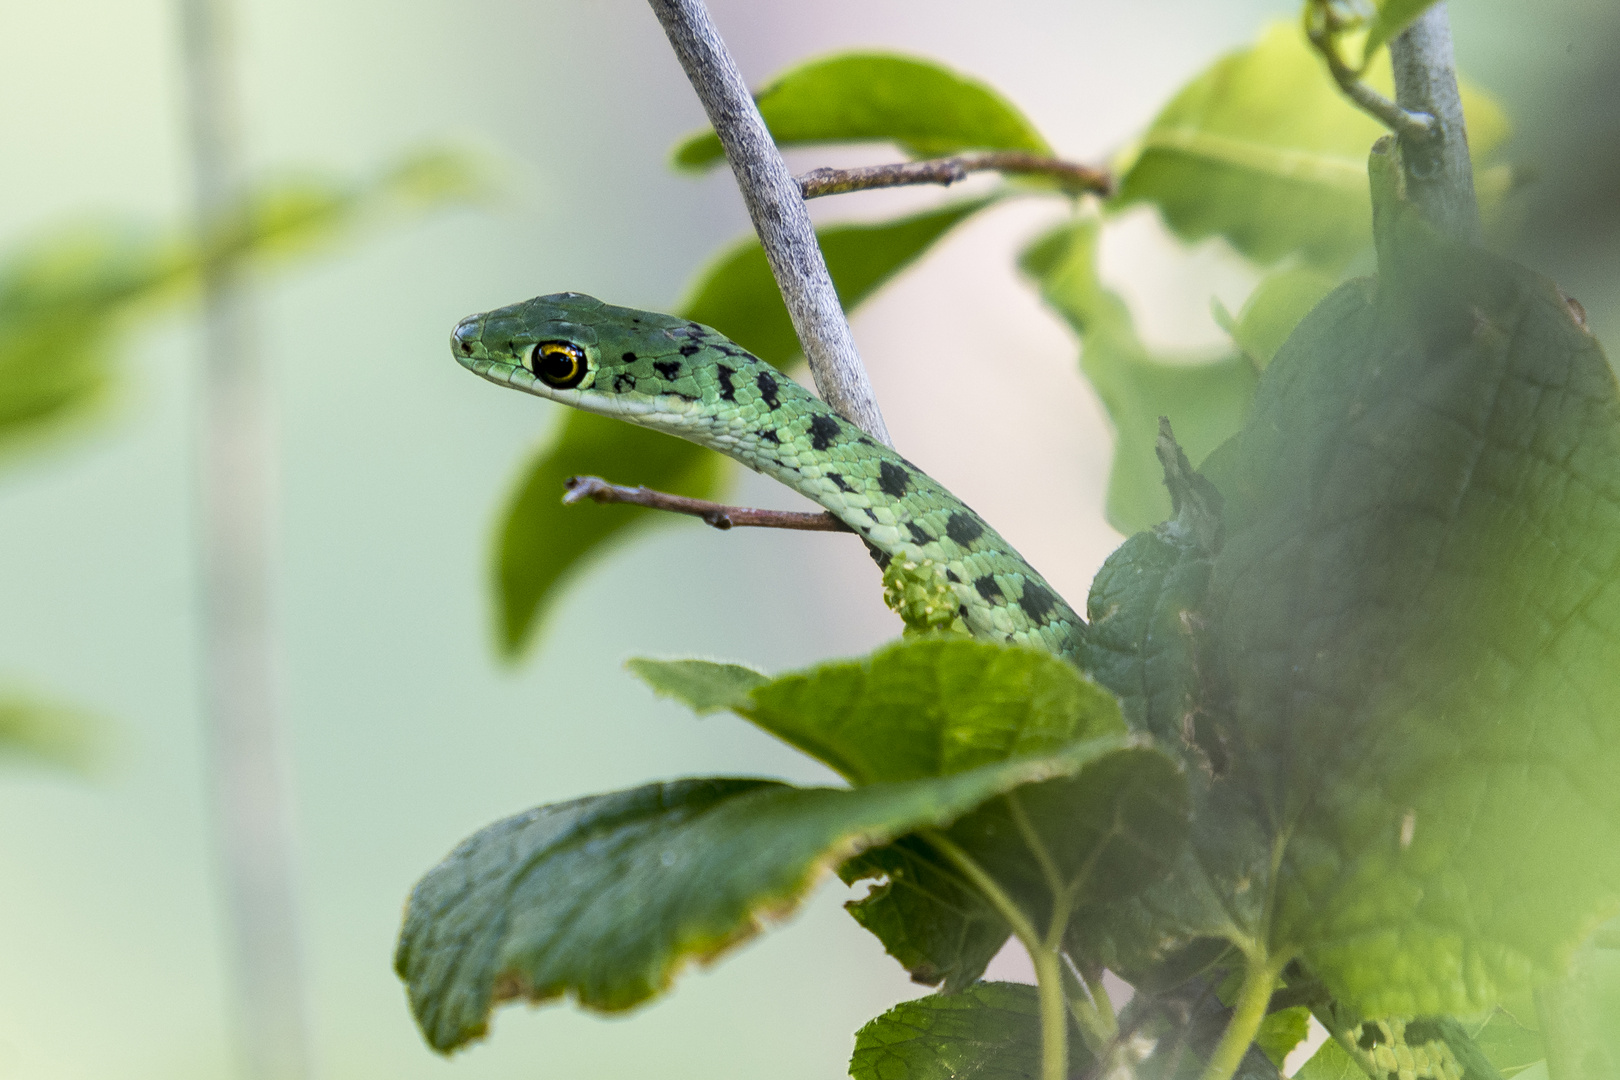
[688, 380]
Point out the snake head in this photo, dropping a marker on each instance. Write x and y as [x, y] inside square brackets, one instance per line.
[572, 348]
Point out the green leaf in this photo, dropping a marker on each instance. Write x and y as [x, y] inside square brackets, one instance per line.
[923, 107]
[1263, 149]
[607, 897]
[1273, 309]
[1510, 1045]
[704, 685]
[989, 1031]
[931, 707]
[541, 544]
[1330, 1062]
[1281, 1031]
[1417, 617]
[1205, 400]
[34, 730]
[1577, 1019]
[1181, 1028]
[937, 706]
[1393, 17]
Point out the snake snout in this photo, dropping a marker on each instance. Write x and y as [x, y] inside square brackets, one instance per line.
[464, 339]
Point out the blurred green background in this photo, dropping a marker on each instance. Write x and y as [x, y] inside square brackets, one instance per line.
[406, 734]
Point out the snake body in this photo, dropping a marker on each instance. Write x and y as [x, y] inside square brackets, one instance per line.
[688, 380]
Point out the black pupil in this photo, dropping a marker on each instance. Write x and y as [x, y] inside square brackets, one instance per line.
[557, 365]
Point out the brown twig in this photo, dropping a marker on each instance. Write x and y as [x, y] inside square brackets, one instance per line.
[719, 515]
[1323, 25]
[1071, 176]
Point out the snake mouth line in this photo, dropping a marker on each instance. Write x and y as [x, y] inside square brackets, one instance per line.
[518, 377]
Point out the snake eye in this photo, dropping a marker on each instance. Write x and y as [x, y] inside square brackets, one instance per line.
[558, 364]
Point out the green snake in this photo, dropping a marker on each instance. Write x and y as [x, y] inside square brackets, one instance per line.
[688, 380]
[943, 563]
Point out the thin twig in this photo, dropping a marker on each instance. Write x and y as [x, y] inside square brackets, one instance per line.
[596, 489]
[1323, 25]
[778, 212]
[250, 801]
[1439, 175]
[1071, 176]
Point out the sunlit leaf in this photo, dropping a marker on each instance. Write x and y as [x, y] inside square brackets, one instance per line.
[921, 106]
[1205, 400]
[541, 543]
[1263, 149]
[702, 685]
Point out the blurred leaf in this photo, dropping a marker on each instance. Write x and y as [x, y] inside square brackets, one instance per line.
[39, 731]
[702, 685]
[608, 896]
[1393, 17]
[1273, 309]
[1415, 624]
[67, 297]
[1263, 149]
[989, 1031]
[921, 106]
[1206, 401]
[1281, 1031]
[1579, 1020]
[541, 543]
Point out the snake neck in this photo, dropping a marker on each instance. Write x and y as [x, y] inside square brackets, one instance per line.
[929, 542]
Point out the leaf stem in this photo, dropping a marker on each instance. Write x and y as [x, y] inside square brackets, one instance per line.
[1048, 968]
[1323, 25]
[776, 207]
[1072, 177]
[596, 489]
[1259, 979]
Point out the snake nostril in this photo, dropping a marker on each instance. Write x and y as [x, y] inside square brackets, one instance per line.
[465, 336]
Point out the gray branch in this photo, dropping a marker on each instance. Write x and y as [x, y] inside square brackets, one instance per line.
[778, 212]
[1071, 177]
[1439, 176]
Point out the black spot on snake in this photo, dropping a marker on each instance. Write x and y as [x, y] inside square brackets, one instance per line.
[951, 577]
[893, 479]
[1370, 1036]
[623, 384]
[823, 430]
[767, 390]
[669, 369]
[628, 358]
[962, 612]
[770, 437]
[691, 350]
[988, 588]
[1036, 601]
[963, 528]
[920, 534]
[837, 479]
[879, 556]
[869, 512]
[724, 374]
[1420, 1031]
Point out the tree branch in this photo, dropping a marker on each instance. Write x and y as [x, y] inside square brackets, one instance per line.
[1323, 25]
[596, 489]
[1074, 178]
[1439, 175]
[252, 815]
[778, 212]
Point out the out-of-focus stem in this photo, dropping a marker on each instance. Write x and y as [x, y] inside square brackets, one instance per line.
[250, 803]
